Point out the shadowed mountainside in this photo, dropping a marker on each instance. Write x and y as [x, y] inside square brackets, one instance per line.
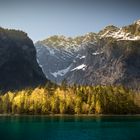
[18, 66]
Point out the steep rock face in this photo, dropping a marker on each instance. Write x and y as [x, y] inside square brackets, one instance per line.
[110, 57]
[57, 53]
[18, 65]
[108, 63]
[57, 59]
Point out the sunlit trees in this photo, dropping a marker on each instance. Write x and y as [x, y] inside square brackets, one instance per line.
[71, 100]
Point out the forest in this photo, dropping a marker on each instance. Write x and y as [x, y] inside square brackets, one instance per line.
[71, 100]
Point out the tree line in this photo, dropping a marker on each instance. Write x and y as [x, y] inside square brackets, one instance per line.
[71, 100]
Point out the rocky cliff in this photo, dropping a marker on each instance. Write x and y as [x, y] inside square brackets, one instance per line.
[18, 66]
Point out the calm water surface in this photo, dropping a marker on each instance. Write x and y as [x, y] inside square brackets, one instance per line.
[70, 128]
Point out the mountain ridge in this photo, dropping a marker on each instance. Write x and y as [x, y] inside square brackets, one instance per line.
[79, 39]
[100, 58]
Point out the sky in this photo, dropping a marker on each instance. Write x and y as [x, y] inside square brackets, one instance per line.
[43, 18]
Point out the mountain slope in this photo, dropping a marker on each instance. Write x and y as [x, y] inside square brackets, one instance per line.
[18, 66]
[108, 57]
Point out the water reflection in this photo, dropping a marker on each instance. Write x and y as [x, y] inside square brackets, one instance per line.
[70, 128]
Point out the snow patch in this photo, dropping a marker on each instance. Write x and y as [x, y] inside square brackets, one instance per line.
[83, 67]
[51, 50]
[37, 61]
[138, 22]
[97, 53]
[121, 35]
[61, 72]
[93, 43]
[82, 57]
[39, 64]
[105, 34]
[78, 56]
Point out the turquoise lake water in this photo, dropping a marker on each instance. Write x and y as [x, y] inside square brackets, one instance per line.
[70, 128]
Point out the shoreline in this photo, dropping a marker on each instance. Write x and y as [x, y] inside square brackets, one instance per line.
[70, 115]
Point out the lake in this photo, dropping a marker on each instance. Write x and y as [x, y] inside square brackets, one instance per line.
[70, 128]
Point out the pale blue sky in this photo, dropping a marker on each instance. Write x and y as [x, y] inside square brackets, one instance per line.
[43, 18]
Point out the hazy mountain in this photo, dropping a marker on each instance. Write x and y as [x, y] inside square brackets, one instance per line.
[18, 65]
[111, 56]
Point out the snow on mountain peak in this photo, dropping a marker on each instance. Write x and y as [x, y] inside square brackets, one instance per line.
[130, 32]
[120, 35]
[138, 22]
[87, 58]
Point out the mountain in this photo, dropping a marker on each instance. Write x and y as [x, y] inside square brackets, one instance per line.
[18, 66]
[57, 53]
[110, 57]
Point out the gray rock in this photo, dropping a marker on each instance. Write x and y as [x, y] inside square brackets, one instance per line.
[18, 66]
[110, 57]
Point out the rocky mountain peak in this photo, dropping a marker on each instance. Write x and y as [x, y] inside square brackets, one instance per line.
[133, 29]
[108, 57]
[60, 41]
[130, 32]
[108, 30]
[137, 22]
